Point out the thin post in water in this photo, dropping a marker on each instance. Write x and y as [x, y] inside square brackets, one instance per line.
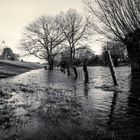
[111, 66]
[85, 72]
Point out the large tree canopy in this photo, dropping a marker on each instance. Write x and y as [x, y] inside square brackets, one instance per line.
[118, 19]
[114, 17]
[74, 27]
[46, 36]
[42, 38]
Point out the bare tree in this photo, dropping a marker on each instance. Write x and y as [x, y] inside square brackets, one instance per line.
[74, 28]
[42, 38]
[119, 19]
[118, 52]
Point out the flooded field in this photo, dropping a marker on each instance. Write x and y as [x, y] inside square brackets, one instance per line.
[43, 105]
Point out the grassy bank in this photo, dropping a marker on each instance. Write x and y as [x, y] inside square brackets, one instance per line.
[13, 68]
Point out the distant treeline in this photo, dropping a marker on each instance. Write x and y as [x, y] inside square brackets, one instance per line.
[117, 49]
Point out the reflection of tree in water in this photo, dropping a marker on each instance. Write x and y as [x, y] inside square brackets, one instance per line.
[86, 90]
[113, 105]
[134, 105]
[127, 124]
[134, 98]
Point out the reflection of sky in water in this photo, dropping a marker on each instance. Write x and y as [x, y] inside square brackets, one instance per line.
[51, 99]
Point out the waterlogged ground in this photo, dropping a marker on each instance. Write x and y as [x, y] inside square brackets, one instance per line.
[42, 105]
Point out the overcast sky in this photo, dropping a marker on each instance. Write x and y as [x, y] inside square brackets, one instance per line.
[16, 14]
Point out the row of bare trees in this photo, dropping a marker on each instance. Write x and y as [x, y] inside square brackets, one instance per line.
[47, 36]
[118, 19]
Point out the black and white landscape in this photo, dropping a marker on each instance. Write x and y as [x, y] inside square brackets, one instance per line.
[70, 70]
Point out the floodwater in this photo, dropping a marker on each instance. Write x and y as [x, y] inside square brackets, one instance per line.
[43, 105]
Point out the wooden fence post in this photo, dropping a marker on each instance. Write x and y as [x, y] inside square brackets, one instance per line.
[85, 72]
[111, 66]
[75, 72]
[68, 70]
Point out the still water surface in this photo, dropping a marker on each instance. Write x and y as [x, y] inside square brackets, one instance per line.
[44, 105]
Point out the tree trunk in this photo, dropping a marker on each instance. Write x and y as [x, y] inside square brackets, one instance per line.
[134, 55]
[51, 67]
[71, 58]
[132, 42]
